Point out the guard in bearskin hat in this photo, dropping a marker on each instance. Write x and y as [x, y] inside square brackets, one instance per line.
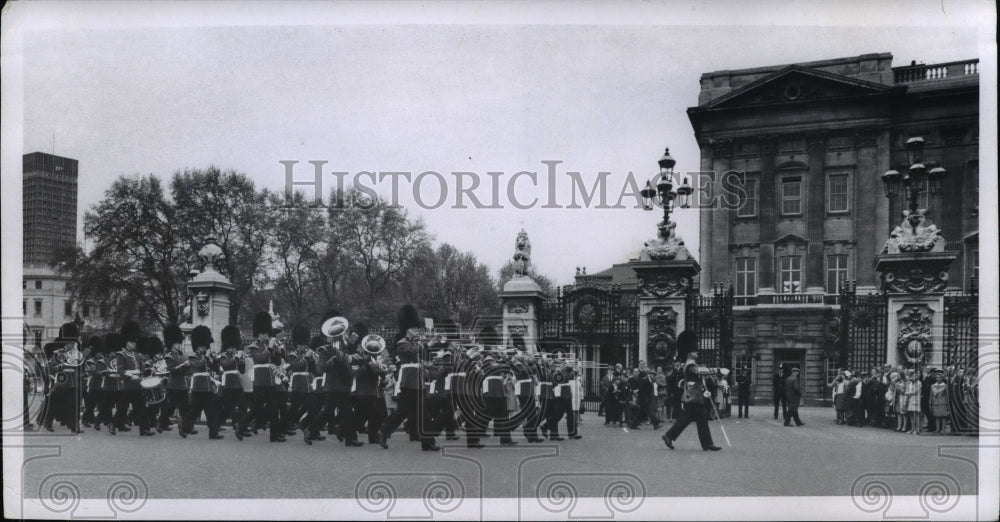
[338, 380]
[178, 372]
[204, 385]
[65, 360]
[695, 402]
[233, 364]
[93, 368]
[129, 364]
[111, 382]
[265, 388]
[410, 384]
[301, 367]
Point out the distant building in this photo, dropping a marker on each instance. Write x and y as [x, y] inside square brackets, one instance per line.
[50, 205]
[809, 142]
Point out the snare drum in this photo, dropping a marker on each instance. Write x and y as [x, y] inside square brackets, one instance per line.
[154, 390]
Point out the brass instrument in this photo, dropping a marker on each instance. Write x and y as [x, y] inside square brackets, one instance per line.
[335, 327]
[70, 356]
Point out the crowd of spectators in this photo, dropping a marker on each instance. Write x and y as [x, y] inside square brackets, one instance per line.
[910, 400]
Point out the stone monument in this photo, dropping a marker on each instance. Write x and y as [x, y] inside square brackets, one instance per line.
[521, 297]
[209, 295]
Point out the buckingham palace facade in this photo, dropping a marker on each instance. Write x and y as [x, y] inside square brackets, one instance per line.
[806, 144]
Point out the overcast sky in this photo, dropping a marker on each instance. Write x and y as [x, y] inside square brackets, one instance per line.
[457, 97]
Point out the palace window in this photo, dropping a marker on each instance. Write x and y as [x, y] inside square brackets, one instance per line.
[104, 311]
[67, 308]
[38, 307]
[791, 196]
[24, 306]
[791, 274]
[86, 310]
[748, 206]
[38, 285]
[836, 272]
[839, 194]
[746, 276]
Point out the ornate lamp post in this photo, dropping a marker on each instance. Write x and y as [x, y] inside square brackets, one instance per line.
[913, 265]
[664, 192]
[915, 180]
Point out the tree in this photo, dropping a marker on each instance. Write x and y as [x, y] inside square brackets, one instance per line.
[298, 240]
[137, 261]
[448, 283]
[381, 241]
[227, 207]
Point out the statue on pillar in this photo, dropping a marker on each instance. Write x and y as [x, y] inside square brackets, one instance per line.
[912, 235]
[667, 245]
[522, 255]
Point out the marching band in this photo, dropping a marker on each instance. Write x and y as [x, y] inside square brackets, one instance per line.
[341, 382]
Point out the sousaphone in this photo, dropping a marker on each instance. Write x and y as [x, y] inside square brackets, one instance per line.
[335, 327]
[373, 344]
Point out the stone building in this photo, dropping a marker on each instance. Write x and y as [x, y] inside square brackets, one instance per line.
[793, 204]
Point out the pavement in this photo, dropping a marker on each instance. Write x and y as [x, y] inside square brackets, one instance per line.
[764, 459]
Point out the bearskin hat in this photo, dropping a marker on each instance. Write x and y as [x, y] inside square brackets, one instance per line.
[261, 324]
[517, 341]
[131, 332]
[360, 328]
[50, 349]
[488, 336]
[113, 342]
[317, 341]
[686, 343]
[201, 336]
[231, 337]
[300, 335]
[172, 334]
[69, 331]
[407, 318]
[154, 346]
[96, 344]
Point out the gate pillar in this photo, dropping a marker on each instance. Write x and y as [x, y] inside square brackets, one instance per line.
[913, 269]
[521, 298]
[663, 289]
[209, 296]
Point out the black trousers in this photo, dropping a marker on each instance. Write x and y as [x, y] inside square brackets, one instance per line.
[63, 405]
[410, 408]
[566, 407]
[107, 401]
[687, 415]
[134, 399]
[90, 398]
[177, 400]
[473, 417]
[553, 412]
[298, 405]
[443, 412]
[496, 408]
[652, 408]
[779, 399]
[233, 405]
[530, 415]
[265, 410]
[338, 410]
[366, 412]
[792, 413]
[743, 404]
[313, 419]
[206, 402]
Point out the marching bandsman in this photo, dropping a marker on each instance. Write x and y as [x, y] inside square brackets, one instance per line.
[130, 364]
[440, 400]
[496, 400]
[110, 382]
[457, 383]
[178, 374]
[338, 380]
[62, 403]
[313, 422]
[410, 383]
[547, 400]
[233, 364]
[95, 368]
[300, 372]
[368, 370]
[203, 384]
[473, 408]
[564, 383]
[265, 392]
[526, 385]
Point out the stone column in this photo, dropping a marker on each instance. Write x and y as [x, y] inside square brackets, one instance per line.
[211, 292]
[768, 208]
[871, 212]
[815, 214]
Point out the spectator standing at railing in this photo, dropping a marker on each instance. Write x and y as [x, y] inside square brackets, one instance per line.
[661, 392]
[838, 386]
[605, 389]
[912, 399]
[938, 405]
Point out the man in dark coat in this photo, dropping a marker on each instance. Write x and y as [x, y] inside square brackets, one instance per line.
[777, 385]
[743, 382]
[793, 395]
[695, 409]
[410, 384]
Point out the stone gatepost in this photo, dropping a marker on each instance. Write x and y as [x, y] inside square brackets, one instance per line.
[521, 298]
[666, 274]
[209, 293]
[913, 268]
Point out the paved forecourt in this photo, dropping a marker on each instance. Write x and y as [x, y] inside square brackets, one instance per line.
[766, 458]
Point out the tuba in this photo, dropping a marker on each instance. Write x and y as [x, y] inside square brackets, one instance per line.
[69, 356]
[335, 327]
[374, 346]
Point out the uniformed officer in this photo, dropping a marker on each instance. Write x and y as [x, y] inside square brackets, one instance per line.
[233, 364]
[203, 384]
[95, 368]
[130, 363]
[367, 368]
[111, 382]
[315, 417]
[409, 352]
[527, 382]
[338, 380]
[265, 391]
[300, 373]
[177, 375]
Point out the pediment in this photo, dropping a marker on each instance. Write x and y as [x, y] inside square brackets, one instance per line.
[797, 84]
[790, 238]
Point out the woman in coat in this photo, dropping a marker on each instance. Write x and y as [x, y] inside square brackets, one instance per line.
[938, 403]
[912, 393]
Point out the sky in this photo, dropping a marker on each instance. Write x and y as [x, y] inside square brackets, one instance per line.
[596, 92]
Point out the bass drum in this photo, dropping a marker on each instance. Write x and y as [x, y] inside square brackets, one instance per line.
[154, 390]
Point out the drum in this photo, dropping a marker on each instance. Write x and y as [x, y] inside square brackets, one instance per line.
[154, 390]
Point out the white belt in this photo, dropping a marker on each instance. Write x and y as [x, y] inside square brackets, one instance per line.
[354, 385]
[231, 372]
[401, 368]
[520, 382]
[433, 387]
[319, 382]
[447, 380]
[199, 375]
[486, 381]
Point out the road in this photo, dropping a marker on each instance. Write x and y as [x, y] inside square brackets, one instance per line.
[765, 459]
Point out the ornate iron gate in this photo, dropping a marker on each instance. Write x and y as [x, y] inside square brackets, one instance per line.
[961, 325]
[710, 317]
[862, 339]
